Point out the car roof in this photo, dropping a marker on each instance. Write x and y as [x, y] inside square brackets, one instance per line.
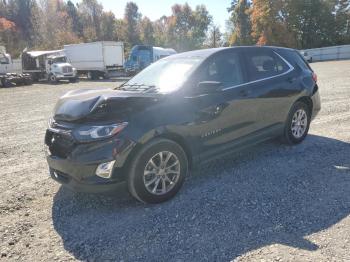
[205, 53]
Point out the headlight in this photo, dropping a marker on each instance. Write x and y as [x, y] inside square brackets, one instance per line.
[88, 133]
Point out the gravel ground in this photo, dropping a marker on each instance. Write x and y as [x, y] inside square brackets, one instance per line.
[269, 203]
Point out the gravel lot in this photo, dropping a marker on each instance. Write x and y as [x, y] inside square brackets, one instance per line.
[271, 203]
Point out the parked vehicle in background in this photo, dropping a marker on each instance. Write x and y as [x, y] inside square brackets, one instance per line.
[180, 111]
[142, 56]
[97, 59]
[48, 65]
[10, 74]
[306, 56]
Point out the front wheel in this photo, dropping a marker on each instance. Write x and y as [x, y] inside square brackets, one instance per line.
[298, 124]
[157, 171]
[53, 79]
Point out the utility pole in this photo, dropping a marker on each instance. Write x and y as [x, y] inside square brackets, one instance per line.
[214, 37]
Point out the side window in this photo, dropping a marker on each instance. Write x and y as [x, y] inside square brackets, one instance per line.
[264, 64]
[224, 68]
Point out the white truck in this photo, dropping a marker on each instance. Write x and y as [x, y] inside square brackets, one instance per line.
[48, 65]
[10, 72]
[97, 59]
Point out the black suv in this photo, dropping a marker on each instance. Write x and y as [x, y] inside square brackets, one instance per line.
[183, 109]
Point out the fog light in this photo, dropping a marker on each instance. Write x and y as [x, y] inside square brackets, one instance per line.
[104, 170]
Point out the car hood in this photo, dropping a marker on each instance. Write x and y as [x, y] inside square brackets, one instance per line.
[101, 104]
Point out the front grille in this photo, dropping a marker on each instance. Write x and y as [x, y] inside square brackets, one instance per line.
[67, 69]
[60, 144]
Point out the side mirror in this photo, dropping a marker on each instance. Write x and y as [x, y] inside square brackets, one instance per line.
[209, 86]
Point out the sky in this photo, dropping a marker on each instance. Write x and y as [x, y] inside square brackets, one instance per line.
[154, 9]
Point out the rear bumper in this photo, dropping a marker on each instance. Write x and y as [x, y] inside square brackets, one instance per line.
[316, 101]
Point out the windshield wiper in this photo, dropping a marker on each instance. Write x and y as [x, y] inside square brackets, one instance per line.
[137, 87]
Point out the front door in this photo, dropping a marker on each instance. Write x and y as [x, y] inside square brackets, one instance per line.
[224, 115]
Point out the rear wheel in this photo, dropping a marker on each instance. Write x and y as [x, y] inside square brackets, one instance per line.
[298, 123]
[158, 171]
[73, 80]
[92, 75]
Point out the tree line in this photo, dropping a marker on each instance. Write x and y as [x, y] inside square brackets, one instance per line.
[49, 24]
[298, 24]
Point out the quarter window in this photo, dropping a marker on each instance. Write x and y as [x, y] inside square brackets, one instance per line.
[262, 64]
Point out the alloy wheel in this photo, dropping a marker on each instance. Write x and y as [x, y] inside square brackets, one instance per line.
[299, 123]
[161, 173]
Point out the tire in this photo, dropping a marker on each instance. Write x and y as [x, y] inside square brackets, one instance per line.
[298, 124]
[34, 77]
[73, 80]
[28, 81]
[53, 79]
[106, 76]
[92, 75]
[141, 164]
[5, 83]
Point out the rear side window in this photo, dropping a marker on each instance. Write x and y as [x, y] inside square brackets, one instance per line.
[225, 68]
[264, 64]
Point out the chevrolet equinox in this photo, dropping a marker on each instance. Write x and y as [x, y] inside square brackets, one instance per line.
[180, 111]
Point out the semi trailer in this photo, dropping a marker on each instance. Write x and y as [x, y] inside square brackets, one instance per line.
[96, 59]
[142, 56]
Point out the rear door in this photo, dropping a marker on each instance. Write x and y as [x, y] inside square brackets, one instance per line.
[272, 85]
[113, 54]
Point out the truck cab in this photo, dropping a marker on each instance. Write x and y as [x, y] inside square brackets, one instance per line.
[48, 65]
[5, 63]
[58, 68]
[10, 72]
[142, 56]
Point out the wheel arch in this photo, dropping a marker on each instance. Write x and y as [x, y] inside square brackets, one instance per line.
[169, 136]
[308, 101]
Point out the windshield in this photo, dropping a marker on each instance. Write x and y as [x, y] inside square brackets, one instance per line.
[164, 76]
[61, 59]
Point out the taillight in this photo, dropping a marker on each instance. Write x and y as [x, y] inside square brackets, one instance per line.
[314, 77]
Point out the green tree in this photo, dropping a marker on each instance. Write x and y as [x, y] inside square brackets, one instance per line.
[90, 12]
[108, 27]
[21, 13]
[187, 29]
[214, 38]
[312, 22]
[147, 32]
[240, 18]
[72, 12]
[269, 25]
[342, 21]
[161, 31]
[132, 19]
